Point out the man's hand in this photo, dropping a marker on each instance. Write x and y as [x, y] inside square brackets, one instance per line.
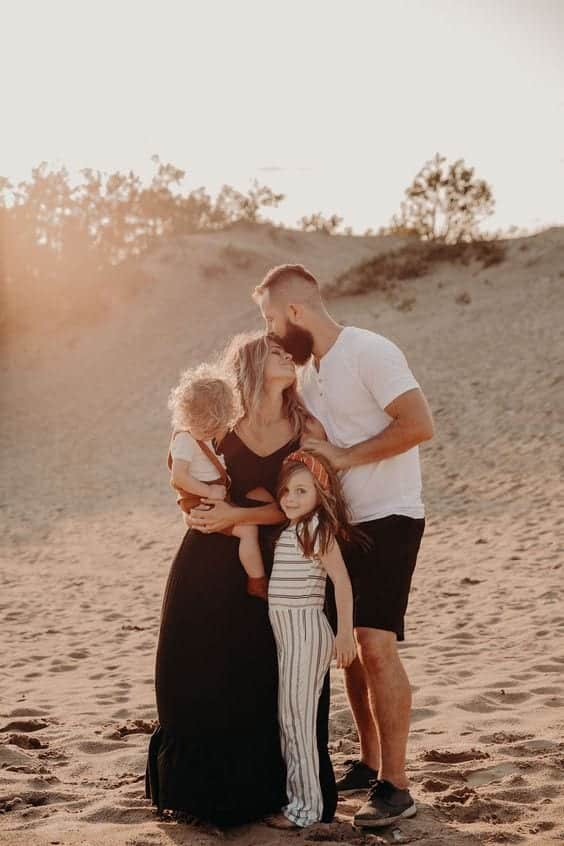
[337, 456]
[411, 423]
[212, 516]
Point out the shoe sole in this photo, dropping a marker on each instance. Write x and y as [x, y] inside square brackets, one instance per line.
[381, 823]
[350, 790]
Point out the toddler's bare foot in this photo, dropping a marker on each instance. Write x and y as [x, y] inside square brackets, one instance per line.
[258, 587]
[280, 821]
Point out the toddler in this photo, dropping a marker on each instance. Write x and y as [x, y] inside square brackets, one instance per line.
[203, 408]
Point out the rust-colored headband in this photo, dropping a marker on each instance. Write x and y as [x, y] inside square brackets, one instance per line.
[313, 464]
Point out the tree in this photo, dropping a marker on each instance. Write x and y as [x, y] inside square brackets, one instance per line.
[65, 246]
[318, 223]
[234, 207]
[445, 202]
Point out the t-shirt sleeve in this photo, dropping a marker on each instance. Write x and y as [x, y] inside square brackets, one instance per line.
[183, 446]
[384, 369]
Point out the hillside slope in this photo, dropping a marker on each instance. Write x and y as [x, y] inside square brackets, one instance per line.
[90, 528]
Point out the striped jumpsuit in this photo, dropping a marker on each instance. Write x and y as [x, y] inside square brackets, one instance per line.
[304, 643]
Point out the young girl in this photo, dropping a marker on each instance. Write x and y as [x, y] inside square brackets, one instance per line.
[306, 551]
[203, 408]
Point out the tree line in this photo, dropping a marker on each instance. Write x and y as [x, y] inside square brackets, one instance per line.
[57, 235]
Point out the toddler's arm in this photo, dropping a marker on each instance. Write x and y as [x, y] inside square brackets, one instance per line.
[181, 478]
[345, 645]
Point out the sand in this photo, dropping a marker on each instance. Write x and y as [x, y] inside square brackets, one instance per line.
[90, 528]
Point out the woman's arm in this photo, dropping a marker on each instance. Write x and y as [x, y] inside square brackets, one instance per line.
[260, 495]
[216, 516]
[345, 645]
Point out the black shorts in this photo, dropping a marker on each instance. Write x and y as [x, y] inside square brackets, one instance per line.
[381, 576]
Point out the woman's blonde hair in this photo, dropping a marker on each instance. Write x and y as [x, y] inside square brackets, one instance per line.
[203, 399]
[244, 361]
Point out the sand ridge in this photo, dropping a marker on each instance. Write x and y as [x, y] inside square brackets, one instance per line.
[90, 528]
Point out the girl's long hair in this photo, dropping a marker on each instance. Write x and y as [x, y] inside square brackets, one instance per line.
[333, 517]
[244, 360]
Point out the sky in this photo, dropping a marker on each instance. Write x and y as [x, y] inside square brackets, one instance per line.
[335, 104]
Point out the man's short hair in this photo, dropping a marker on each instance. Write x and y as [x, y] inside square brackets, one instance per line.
[276, 277]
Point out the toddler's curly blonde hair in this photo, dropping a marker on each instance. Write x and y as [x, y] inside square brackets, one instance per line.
[204, 400]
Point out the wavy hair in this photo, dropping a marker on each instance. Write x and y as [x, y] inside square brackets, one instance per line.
[204, 399]
[244, 361]
[333, 516]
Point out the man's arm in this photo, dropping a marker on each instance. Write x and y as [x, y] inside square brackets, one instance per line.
[411, 424]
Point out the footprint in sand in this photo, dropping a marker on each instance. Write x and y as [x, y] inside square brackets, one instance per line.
[96, 747]
[554, 702]
[116, 814]
[59, 666]
[447, 756]
[510, 698]
[26, 712]
[25, 725]
[503, 737]
[463, 804]
[527, 795]
[79, 653]
[12, 759]
[477, 705]
[490, 775]
[421, 714]
[547, 668]
[37, 799]
[24, 741]
[435, 785]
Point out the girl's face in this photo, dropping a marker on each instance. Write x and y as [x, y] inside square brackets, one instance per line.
[299, 497]
[279, 366]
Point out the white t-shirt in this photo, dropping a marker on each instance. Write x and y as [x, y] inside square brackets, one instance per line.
[185, 447]
[358, 377]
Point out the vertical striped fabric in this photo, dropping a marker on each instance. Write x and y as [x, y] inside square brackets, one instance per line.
[304, 641]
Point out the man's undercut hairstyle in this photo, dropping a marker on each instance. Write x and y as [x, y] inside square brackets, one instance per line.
[283, 276]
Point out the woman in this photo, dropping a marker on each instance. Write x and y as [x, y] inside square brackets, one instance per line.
[216, 751]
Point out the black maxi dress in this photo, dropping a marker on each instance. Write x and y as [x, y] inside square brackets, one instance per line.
[215, 753]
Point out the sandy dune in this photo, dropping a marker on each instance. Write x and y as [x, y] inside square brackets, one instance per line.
[90, 527]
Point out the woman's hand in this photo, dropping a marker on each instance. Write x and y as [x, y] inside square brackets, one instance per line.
[345, 649]
[212, 516]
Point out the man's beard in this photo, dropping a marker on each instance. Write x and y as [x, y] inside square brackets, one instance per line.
[298, 342]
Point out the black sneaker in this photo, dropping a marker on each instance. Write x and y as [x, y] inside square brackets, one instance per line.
[357, 776]
[385, 804]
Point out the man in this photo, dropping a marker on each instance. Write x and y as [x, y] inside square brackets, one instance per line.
[359, 386]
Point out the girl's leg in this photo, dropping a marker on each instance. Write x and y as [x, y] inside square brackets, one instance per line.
[307, 647]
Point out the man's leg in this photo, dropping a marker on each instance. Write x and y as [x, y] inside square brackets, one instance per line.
[358, 696]
[389, 695]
